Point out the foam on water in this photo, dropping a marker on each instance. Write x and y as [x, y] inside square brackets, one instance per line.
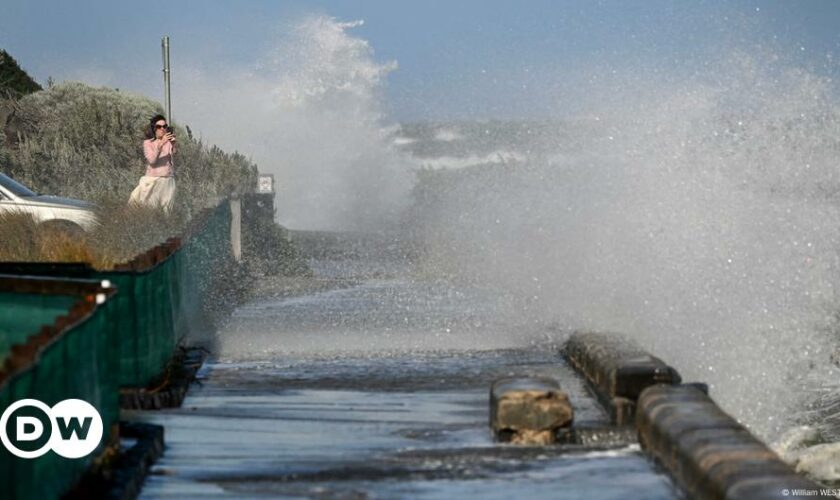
[495, 157]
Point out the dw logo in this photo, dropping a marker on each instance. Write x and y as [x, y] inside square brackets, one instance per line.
[72, 428]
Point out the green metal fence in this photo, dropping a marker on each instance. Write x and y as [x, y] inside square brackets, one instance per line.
[126, 342]
[146, 306]
[67, 355]
[167, 298]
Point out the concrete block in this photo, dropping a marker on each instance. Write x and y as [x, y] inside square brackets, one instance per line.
[707, 452]
[528, 410]
[617, 369]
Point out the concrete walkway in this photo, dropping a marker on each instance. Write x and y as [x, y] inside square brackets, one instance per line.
[338, 394]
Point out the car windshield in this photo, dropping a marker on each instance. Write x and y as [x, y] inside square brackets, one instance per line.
[15, 187]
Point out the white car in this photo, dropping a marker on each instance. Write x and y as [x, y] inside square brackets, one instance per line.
[64, 213]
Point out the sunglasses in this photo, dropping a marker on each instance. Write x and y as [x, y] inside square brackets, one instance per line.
[160, 126]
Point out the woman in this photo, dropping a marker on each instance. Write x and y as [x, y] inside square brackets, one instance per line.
[157, 187]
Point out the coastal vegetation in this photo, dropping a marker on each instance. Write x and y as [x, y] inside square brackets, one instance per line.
[85, 142]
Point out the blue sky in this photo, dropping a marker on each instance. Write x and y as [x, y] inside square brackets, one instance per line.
[457, 59]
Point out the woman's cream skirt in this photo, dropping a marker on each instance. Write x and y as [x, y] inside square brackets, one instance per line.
[154, 191]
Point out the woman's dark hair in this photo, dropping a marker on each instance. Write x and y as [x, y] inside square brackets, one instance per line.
[150, 134]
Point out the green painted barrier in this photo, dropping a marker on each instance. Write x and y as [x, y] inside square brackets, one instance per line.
[66, 355]
[167, 298]
[126, 341]
[25, 313]
[161, 294]
[143, 321]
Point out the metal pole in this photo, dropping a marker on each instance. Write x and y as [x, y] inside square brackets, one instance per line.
[167, 98]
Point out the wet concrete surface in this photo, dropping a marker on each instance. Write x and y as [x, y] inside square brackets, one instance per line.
[261, 429]
[361, 392]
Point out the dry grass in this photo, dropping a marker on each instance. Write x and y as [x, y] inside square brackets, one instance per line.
[18, 241]
[124, 232]
[128, 230]
[59, 246]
